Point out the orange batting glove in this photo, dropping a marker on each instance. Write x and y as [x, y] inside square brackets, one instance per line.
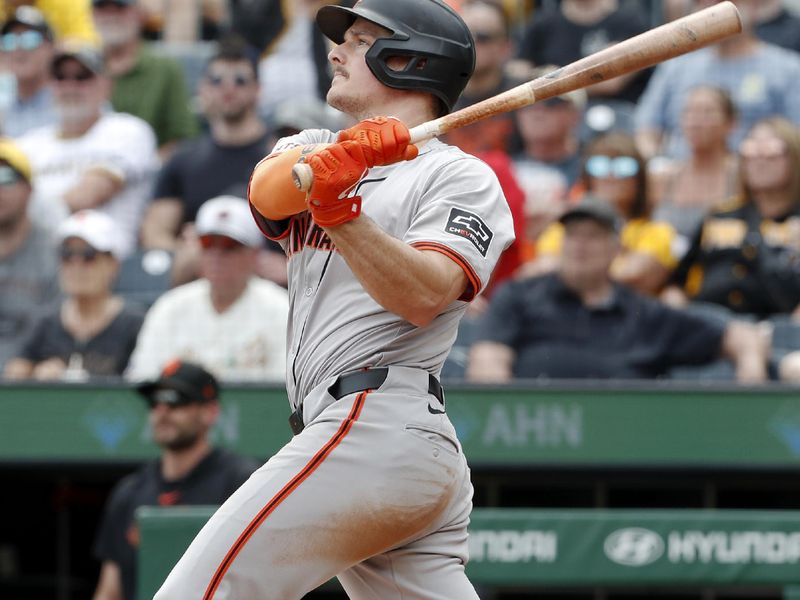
[337, 169]
[385, 140]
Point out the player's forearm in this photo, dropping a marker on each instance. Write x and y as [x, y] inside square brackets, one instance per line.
[415, 285]
[272, 191]
[95, 188]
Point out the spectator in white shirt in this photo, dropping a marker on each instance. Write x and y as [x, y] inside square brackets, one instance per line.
[93, 157]
[231, 321]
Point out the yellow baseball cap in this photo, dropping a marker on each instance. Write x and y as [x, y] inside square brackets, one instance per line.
[15, 157]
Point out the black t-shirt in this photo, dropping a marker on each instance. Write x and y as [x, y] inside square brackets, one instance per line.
[202, 169]
[554, 335]
[106, 354]
[783, 30]
[552, 39]
[215, 478]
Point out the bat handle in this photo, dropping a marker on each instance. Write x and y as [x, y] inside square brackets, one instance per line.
[303, 176]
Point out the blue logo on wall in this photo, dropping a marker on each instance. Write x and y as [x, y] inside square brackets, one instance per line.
[786, 426]
[110, 423]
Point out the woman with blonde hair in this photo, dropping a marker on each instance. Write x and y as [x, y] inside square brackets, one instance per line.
[746, 255]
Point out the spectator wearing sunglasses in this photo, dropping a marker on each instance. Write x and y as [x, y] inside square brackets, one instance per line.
[614, 171]
[219, 162]
[68, 19]
[26, 49]
[93, 157]
[143, 84]
[93, 332]
[231, 320]
[28, 263]
[183, 401]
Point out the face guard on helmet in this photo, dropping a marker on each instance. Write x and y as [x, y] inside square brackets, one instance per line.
[437, 43]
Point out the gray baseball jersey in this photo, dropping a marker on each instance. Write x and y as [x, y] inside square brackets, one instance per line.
[444, 200]
[375, 488]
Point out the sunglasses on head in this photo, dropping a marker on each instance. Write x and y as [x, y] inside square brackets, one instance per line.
[25, 40]
[8, 176]
[85, 254]
[238, 79]
[80, 76]
[618, 167]
[169, 397]
[221, 242]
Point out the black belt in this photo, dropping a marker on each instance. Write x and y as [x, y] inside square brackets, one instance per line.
[358, 381]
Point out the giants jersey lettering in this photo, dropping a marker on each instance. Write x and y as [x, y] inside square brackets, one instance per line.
[445, 201]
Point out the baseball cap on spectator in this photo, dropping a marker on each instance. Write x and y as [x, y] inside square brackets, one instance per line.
[596, 209]
[180, 383]
[228, 216]
[29, 17]
[15, 158]
[97, 229]
[89, 56]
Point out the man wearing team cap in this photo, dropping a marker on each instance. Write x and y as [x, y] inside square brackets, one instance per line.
[385, 253]
[92, 157]
[231, 320]
[183, 402]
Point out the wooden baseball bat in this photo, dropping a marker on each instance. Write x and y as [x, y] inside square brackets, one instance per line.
[644, 50]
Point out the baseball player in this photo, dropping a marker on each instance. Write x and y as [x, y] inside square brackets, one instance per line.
[385, 252]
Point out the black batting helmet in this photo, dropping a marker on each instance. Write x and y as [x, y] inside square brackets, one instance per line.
[429, 32]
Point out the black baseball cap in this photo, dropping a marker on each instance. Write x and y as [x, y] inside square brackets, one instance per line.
[29, 17]
[596, 209]
[180, 382]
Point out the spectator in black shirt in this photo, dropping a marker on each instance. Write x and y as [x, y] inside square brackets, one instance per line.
[218, 163]
[776, 25]
[184, 406]
[746, 254]
[578, 323]
[578, 28]
[92, 332]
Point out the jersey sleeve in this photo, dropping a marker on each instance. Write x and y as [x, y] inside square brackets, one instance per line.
[278, 231]
[464, 215]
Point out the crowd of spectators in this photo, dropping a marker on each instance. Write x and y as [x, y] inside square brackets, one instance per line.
[126, 240]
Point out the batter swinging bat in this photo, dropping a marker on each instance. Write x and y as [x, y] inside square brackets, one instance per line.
[649, 48]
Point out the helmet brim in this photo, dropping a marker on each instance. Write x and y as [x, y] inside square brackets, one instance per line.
[333, 20]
